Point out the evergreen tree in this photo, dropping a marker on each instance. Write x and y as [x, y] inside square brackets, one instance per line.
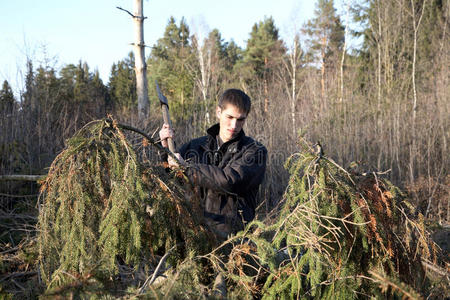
[122, 84]
[262, 57]
[27, 95]
[264, 48]
[82, 89]
[81, 85]
[99, 94]
[168, 64]
[67, 81]
[326, 39]
[9, 154]
[326, 34]
[7, 100]
[47, 112]
[233, 55]
[219, 44]
[54, 107]
[431, 40]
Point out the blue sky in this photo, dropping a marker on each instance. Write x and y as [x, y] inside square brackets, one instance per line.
[95, 31]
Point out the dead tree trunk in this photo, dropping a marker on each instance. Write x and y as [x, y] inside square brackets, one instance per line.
[140, 67]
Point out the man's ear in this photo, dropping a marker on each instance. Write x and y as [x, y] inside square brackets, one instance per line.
[218, 112]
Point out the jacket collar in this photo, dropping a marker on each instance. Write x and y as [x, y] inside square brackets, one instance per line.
[213, 132]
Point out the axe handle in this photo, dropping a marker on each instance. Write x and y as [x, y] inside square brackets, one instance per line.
[166, 117]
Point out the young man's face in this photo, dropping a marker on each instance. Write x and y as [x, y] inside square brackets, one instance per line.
[231, 120]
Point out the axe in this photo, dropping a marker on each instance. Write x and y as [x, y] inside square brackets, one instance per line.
[166, 116]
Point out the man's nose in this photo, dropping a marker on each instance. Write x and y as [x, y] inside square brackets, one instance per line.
[233, 123]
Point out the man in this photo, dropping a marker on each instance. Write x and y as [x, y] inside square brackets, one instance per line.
[227, 165]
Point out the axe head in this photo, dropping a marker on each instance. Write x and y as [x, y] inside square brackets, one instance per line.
[161, 97]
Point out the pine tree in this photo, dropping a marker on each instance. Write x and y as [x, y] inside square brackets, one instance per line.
[262, 57]
[233, 55]
[122, 84]
[168, 65]
[9, 147]
[99, 94]
[326, 38]
[7, 100]
[264, 48]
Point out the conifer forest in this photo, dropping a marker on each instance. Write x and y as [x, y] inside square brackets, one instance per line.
[88, 210]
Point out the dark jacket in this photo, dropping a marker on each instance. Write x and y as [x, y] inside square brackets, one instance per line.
[229, 177]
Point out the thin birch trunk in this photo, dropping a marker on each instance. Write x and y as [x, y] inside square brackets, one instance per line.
[379, 59]
[412, 148]
[344, 49]
[294, 61]
[266, 91]
[294, 79]
[291, 64]
[322, 80]
[205, 70]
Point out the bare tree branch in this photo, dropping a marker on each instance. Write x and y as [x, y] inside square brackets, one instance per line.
[126, 11]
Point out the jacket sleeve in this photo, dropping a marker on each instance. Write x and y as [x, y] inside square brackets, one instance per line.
[244, 171]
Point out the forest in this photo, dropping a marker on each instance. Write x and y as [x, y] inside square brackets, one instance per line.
[382, 108]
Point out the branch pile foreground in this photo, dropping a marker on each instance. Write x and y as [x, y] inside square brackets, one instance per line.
[336, 236]
[102, 212]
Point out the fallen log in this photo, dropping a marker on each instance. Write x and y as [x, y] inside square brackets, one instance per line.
[21, 177]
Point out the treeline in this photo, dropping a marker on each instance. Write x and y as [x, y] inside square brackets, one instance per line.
[384, 106]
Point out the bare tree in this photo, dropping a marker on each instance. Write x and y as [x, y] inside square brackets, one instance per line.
[203, 55]
[292, 64]
[139, 53]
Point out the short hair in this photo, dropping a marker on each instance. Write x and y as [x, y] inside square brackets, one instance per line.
[237, 98]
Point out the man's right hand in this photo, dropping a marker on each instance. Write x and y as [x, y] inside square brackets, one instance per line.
[165, 133]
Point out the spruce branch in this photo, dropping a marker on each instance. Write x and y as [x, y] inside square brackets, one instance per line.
[398, 287]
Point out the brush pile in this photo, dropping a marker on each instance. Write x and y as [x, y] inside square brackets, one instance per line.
[103, 212]
[336, 236]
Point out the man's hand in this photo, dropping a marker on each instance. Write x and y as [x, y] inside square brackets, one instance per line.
[173, 163]
[164, 134]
